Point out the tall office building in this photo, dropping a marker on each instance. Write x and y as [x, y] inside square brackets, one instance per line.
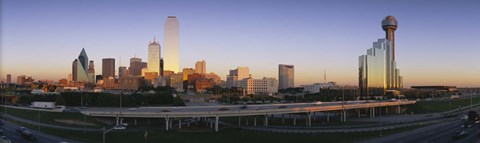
[172, 36]
[122, 71]
[285, 76]
[200, 67]
[377, 69]
[9, 78]
[91, 72]
[108, 67]
[135, 68]
[161, 67]
[154, 56]
[74, 69]
[80, 68]
[236, 75]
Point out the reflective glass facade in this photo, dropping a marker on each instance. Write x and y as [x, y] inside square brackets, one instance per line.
[377, 70]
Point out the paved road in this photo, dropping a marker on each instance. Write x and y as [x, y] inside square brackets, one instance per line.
[438, 133]
[46, 125]
[10, 131]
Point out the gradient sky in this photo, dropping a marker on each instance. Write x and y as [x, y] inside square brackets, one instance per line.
[437, 41]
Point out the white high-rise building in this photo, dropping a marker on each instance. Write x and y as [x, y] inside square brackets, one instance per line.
[285, 76]
[236, 75]
[201, 67]
[154, 56]
[172, 43]
[259, 86]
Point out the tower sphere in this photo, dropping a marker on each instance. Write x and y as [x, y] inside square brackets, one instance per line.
[389, 22]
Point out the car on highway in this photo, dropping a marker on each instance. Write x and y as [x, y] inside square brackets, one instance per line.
[21, 129]
[29, 136]
[460, 134]
[5, 139]
[1, 131]
[120, 127]
[318, 103]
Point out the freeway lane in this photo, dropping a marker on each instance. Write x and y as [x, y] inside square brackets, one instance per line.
[10, 131]
[236, 110]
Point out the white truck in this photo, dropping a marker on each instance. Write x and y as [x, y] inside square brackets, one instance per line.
[44, 105]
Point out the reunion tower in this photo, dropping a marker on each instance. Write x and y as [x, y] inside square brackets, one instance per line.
[389, 25]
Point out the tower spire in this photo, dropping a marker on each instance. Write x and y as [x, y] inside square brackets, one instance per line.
[324, 76]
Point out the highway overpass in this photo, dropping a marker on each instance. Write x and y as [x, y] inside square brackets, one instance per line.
[169, 113]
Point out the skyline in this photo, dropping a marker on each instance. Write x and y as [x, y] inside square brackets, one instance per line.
[424, 51]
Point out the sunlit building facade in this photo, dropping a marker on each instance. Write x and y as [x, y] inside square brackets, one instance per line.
[154, 56]
[172, 43]
[268, 86]
[236, 75]
[377, 70]
[201, 67]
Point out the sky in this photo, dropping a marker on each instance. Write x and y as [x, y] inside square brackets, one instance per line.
[436, 40]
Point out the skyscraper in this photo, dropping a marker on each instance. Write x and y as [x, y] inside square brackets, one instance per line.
[74, 69]
[377, 69]
[135, 68]
[154, 56]
[200, 67]
[9, 78]
[285, 76]
[80, 68]
[108, 67]
[91, 72]
[161, 67]
[171, 36]
[122, 71]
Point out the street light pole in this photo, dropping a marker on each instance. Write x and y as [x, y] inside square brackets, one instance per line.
[103, 132]
[471, 101]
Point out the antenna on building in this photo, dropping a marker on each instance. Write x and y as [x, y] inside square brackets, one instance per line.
[324, 76]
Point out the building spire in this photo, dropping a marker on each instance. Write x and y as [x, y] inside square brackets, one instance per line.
[324, 76]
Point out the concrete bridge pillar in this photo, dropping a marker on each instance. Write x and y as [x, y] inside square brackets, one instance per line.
[239, 121]
[179, 123]
[309, 119]
[328, 116]
[266, 120]
[166, 124]
[294, 120]
[254, 122]
[216, 124]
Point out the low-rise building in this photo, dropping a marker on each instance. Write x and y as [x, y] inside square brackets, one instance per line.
[259, 86]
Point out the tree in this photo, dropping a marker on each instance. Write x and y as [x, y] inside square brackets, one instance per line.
[60, 100]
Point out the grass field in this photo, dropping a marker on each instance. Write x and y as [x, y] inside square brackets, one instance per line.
[49, 117]
[440, 106]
